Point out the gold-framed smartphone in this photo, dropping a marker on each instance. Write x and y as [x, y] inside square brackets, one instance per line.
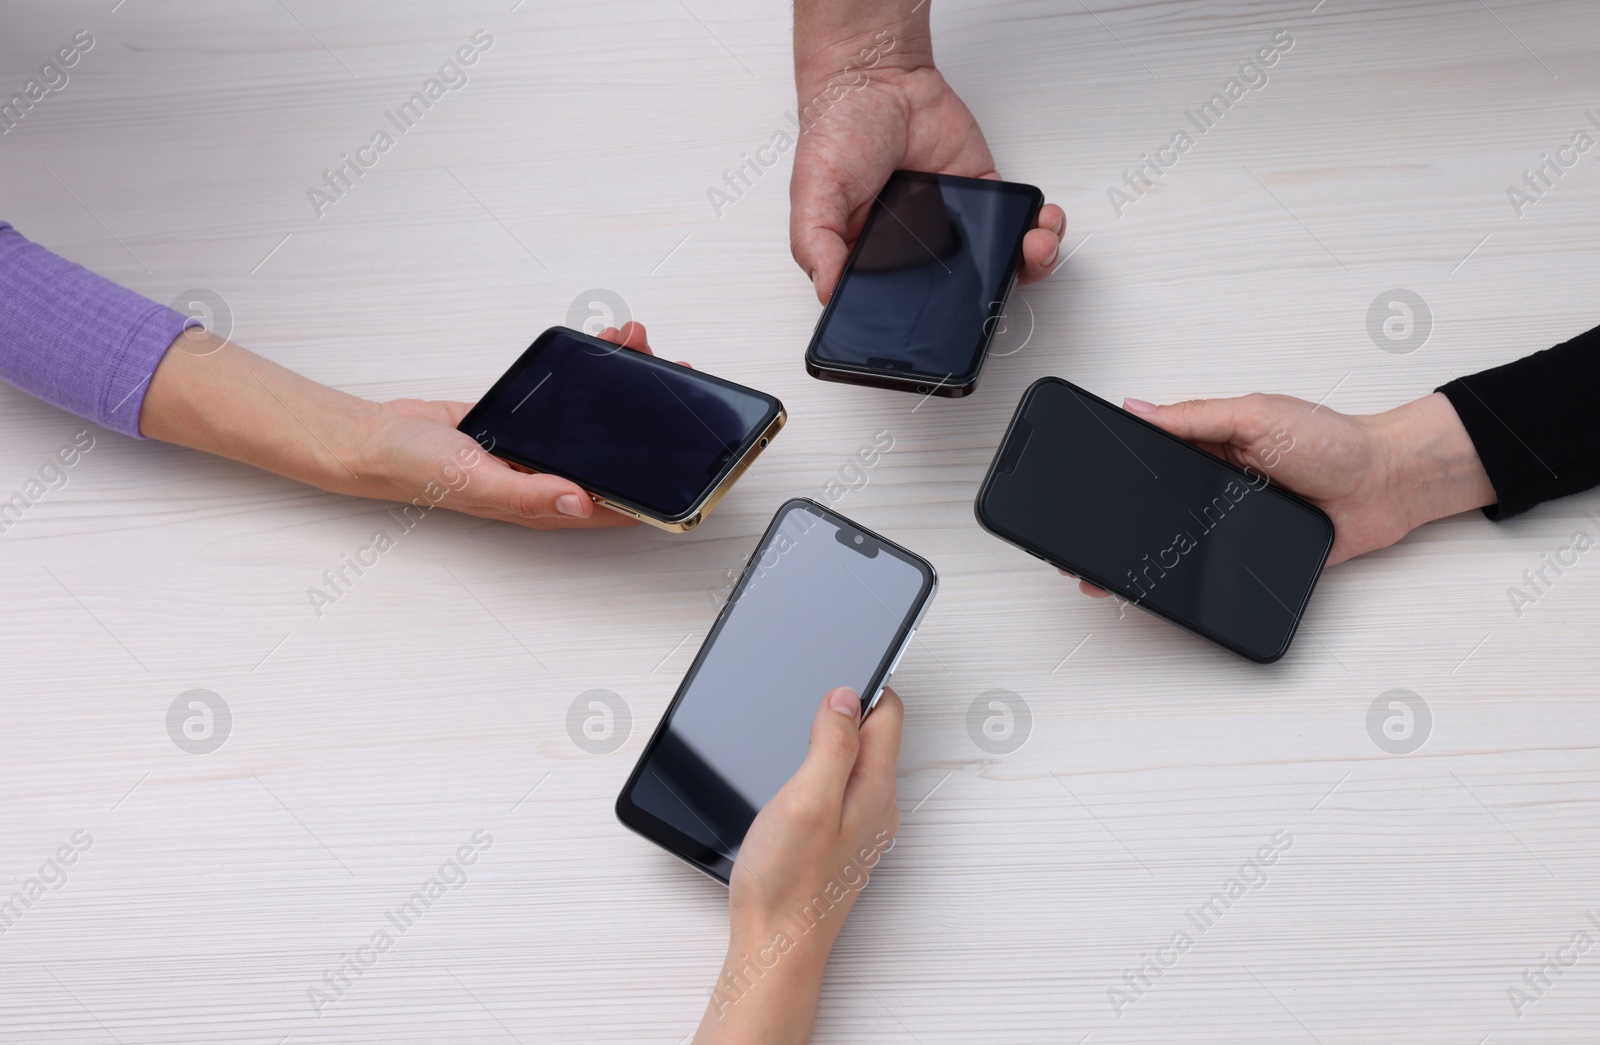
[650, 439]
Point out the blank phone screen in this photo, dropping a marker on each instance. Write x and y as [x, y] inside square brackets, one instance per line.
[619, 422]
[928, 275]
[821, 605]
[1157, 521]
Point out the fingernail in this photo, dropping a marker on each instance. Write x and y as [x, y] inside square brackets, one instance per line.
[845, 702]
[1138, 406]
[1051, 260]
[570, 504]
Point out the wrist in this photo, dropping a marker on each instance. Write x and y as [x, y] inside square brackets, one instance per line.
[1432, 464]
[767, 975]
[322, 434]
[847, 44]
[361, 443]
[209, 394]
[803, 949]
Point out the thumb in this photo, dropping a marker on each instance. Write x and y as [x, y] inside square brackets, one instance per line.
[819, 214]
[534, 496]
[822, 253]
[1218, 421]
[835, 743]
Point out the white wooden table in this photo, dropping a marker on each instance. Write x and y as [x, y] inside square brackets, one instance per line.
[431, 702]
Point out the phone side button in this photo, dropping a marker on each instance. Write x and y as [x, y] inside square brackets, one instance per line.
[900, 656]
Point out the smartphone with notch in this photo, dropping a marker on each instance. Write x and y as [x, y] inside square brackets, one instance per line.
[822, 602]
[925, 285]
[651, 439]
[1106, 495]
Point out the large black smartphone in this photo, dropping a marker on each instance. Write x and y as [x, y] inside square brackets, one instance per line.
[1101, 493]
[821, 603]
[648, 438]
[925, 285]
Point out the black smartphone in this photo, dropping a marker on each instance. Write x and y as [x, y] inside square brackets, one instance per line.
[1101, 493]
[821, 603]
[648, 438]
[925, 285]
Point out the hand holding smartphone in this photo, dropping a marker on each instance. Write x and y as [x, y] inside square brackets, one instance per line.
[651, 439]
[925, 284]
[1107, 496]
[822, 603]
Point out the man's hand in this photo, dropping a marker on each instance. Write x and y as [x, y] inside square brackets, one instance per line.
[883, 107]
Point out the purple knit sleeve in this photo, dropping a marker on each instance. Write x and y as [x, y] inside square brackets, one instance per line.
[76, 340]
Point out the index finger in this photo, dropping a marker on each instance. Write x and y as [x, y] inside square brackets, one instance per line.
[1041, 247]
[632, 335]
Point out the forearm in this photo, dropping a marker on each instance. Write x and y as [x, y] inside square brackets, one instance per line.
[767, 992]
[842, 39]
[209, 394]
[1532, 424]
[1433, 467]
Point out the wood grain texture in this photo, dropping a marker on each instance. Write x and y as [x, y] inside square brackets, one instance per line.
[431, 701]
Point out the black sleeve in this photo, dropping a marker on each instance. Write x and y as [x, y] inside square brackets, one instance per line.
[1534, 423]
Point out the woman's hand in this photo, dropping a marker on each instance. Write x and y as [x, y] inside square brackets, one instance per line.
[1378, 477]
[212, 395]
[413, 443]
[804, 861]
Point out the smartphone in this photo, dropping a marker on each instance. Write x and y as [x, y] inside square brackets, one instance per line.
[925, 285]
[648, 438]
[821, 603]
[1103, 494]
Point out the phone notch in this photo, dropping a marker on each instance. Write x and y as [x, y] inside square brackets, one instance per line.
[857, 542]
